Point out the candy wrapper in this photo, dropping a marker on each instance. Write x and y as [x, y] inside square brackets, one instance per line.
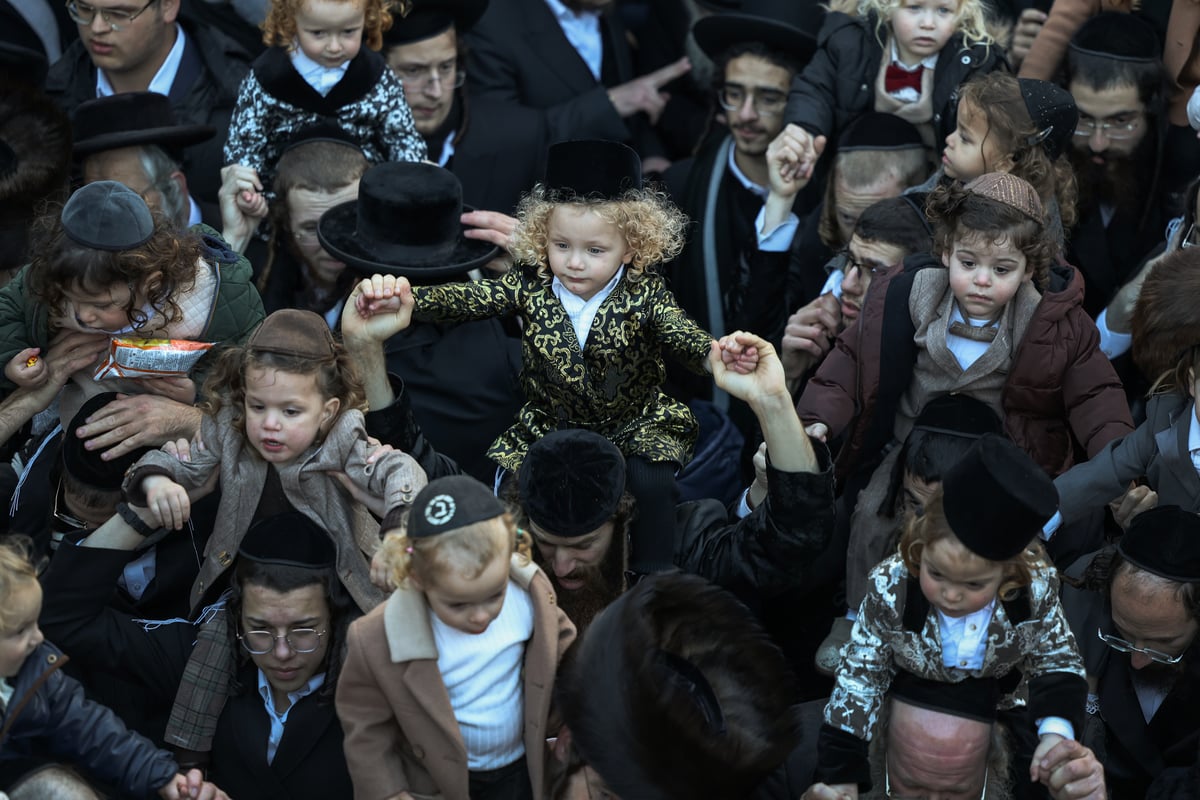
[150, 358]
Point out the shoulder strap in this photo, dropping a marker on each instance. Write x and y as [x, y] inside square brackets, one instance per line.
[56, 661]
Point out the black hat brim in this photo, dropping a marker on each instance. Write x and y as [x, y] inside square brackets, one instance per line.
[717, 33]
[429, 19]
[336, 232]
[175, 136]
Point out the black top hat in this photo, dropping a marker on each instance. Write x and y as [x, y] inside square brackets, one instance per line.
[591, 169]
[876, 130]
[429, 18]
[997, 499]
[720, 5]
[406, 221]
[1120, 36]
[571, 482]
[1053, 112]
[788, 26]
[1165, 541]
[131, 118]
[85, 465]
[450, 503]
[290, 539]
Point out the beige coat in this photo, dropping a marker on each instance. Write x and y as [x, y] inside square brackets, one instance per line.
[401, 734]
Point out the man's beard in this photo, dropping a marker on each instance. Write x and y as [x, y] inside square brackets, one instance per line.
[602, 585]
[1121, 181]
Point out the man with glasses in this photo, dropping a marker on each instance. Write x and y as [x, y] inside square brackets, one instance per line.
[1135, 611]
[130, 46]
[1115, 74]
[494, 162]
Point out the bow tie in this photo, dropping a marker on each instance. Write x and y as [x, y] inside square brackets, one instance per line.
[897, 78]
[976, 333]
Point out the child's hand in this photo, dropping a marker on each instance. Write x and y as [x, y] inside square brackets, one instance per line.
[737, 356]
[381, 572]
[786, 151]
[818, 430]
[1045, 744]
[27, 369]
[807, 150]
[168, 501]
[838, 791]
[378, 308]
[191, 786]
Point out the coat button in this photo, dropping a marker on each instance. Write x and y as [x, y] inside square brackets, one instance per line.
[224, 558]
[962, 663]
[966, 59]
[419, 752]
[52, 659]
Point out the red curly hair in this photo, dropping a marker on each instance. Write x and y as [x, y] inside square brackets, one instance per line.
[279, 28]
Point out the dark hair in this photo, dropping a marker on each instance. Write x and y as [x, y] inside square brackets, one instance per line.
[779, 58]
[283, 578]
[895, 222]
[927, 455]
[956, 213]
[162, 267]
[1108, 564]
[1106, 72]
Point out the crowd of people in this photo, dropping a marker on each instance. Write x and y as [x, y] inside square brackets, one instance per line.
[565, 399]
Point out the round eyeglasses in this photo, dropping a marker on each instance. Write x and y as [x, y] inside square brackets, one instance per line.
[766, 102]
[446, 75]
[1122, 646]
[1116, 128]
[114, 18]
[300, 640]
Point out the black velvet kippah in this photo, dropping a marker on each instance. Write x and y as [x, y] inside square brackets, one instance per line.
[876, 130]
[447, 504]
[106, 215]
[1053, 112]
[591, 169]
[1165, 541]
[85, 465]
[996, 498]
[1120, 36]
[290, 540]
[571, 482]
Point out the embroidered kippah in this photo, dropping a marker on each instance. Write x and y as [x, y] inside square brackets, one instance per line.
[1010, 190]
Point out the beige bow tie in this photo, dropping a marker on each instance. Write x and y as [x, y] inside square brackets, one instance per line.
[984, 333]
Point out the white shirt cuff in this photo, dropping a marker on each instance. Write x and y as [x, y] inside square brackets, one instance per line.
[1047, 725]
[779, 239]
[743, 508]
[834, 283]
[1052, 526]
[1112, 344]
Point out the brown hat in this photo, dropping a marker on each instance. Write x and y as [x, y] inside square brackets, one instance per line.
[1015, 192]
[292, 332]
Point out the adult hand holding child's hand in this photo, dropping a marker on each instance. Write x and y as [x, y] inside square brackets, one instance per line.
[378, 308]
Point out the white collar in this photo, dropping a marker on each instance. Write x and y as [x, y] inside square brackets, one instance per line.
[565, 294]
[264, 691]
[761, 191]
[163, 79]
[929, 62]
[562, 13]
[1193, 431]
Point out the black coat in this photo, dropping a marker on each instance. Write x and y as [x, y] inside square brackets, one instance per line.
[497, 163]
[207, 98]
[309, 763]
[838, 85]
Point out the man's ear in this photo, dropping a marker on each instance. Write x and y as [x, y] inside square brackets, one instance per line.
[169, 11]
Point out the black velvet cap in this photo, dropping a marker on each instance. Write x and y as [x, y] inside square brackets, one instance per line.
[973, 698]
[1053, 112]
[406, 221]
[997, 499]
[591, 169]
[324, 131]
[132, 118]
[1166, 541]
[448, 504]
[876, 130]
[787, 26]
[571, 482]
[958, 415]
[430, 18]
[107, 215]
[1119, 36]
[291, 540]
[85, 465]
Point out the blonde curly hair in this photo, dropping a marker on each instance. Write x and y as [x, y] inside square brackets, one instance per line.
[279, 28]
[971, 19]
[651, 224]
[467, 550]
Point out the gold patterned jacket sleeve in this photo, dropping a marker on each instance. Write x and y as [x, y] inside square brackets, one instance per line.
[678, 333]
[470, 300]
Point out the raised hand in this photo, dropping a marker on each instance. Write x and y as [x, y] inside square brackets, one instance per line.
[643, 94]
[378, 308]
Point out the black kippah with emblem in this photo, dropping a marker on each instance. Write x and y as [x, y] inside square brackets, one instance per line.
[450, 503]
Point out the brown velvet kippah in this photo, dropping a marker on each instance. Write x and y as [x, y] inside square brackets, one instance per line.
[1010, 190]
[292, 332]
[450, 503]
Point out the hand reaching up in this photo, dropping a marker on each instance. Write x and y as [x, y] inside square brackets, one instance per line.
[378, 308]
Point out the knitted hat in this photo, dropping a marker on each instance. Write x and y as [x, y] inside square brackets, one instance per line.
[571, 482]
[290, 539]
[591, 169]
[1053, 112]
[106, 215]
[997, 499]
[876, 130]
[1010, 190]
[1166, 541]
[1165, 323]
[292, 332]
[448, 504]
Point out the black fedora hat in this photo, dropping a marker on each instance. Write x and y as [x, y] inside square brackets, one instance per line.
[406, 221]
[429, 18]
[132, 118]
[789, 26]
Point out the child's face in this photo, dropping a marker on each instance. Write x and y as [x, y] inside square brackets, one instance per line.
[584, 250]
[985, 275]
[922, 27]
[285, 413]
[102, 311]
[970, 152]
[468, 605]
[955, 581]
[329, 32]
[19, 641]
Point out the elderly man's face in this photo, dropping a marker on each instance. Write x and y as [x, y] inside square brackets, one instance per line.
[428, 69]
[851, 201]
[124, 165]
[1150, 615]
[305, 208]
[936, 756]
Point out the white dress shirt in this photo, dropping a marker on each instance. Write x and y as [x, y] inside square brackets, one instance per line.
[163, 79]
[582, 29]
[581, 312]
[279, 720]
[321, 78]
